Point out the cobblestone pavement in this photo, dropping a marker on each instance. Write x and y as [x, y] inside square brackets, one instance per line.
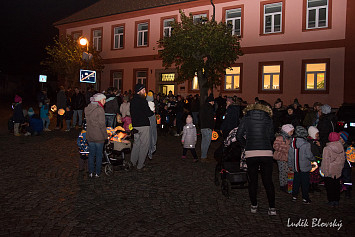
[43, 194]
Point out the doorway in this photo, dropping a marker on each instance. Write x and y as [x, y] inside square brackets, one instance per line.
[166, 88]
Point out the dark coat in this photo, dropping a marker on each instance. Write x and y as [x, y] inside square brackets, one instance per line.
[277, 118]
[293, 119]
[257, 126]
[18, 114]
[111, 105]
[326, 125]
[61, 100]
[78, 101]
[231, 119]
[207, 116]
[140, 111]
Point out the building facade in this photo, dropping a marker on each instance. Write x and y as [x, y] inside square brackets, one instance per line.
[292, 48]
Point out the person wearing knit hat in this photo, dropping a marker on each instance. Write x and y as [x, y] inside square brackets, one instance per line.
[281, 147]
[30, 112]
[18, 99]
[313, 132]
[96, 133]
[345, 136]
[300, 157]
[332, 166]
[317, 150]
[326, 109]
[189, 138]
[140, 114]
[17, 116]
[153, 126]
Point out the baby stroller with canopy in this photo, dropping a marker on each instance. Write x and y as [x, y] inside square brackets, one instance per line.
[230, 171]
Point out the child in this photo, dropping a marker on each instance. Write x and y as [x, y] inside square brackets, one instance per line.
[18, 117]
[346, 172]
[83, 149]
[317, 151]
[68, 115]
[127, 123]
[189, 138]
[332, 165]
[281, 146]
[44, 113]
[299, 161]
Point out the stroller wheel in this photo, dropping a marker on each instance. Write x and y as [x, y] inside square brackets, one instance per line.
[226, 187]
[108, 169]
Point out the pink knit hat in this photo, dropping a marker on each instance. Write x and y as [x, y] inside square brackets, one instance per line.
[17, 98]
[333, 137]
[287, 128]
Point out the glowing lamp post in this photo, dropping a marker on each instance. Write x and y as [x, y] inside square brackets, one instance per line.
[83, 41]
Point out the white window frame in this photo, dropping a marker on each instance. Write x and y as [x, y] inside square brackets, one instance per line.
[199, 18]
[142, 34]
[315, 74]
[97, 40]
[140, 79]
[326, 7]
[273, 18]
[117, 81]
[271, 78]
[168, 28]
[234, 20]
[117, 37]
[233, 75]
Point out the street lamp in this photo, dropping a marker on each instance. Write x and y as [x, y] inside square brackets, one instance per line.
[83, 41]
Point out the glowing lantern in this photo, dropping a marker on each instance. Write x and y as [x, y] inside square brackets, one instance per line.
[54, 108]
[130, 126]
[350, 154]
[61, 111]
[119, 135]
[158, 119]
[214, 136]
[314, 166]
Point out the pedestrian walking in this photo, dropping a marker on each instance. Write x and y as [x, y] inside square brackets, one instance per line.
[189, 139]
[96, 132]
[78, 104]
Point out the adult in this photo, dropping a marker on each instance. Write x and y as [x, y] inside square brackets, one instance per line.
[41, 97]
[207, 125]
[179, 115]
[140, 113]
[96, 133]
[89, 94]
[231, 119]
[256, 134]
[326, 124]
[111, 108]
[291, 117]
[278, 114]
[312, 116]
[61, 105]
[78, 105]
[124, 108]
[195, 108]
[153, 126]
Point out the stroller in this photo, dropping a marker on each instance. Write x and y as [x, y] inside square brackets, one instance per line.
[114, 149]
[230, 171]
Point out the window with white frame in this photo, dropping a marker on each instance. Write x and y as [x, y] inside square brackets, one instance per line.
[97, 39]
[273, 18]
[167, 27]
[142, 34]
[117, 80]
[315, 76]
[271, 77]
[118, 37]
[234, 19]
[195, 83]
[200, 18]
[141, 77]
[317, 14]
[232, 78]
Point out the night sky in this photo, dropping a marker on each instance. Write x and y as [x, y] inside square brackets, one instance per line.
[27, 27]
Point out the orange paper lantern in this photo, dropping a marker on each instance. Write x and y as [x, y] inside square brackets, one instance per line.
[214, 136]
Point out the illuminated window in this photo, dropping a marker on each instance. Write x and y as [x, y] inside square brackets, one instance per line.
[317, 14]
[117, 80]
[233, 19]
[168, 77]
[97, 39]
[273, 18]
[315, 76]
[200, 18]
[271, 77]
[195, 83]
[118, 37]
[232, 79]
[142, 34]
[167, 27]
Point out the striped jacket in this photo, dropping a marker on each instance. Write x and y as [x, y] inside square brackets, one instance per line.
[300, 155]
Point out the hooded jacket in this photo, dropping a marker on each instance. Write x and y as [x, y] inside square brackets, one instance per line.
[326, 125]
[231, 119]
[95, 122]
[189, 135]
[333, 159]
[300, 155]
[257, 126]
[281, 147]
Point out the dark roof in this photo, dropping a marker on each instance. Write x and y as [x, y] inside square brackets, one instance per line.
[112, 7]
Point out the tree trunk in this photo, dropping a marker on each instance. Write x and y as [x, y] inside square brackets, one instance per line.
[202, 82]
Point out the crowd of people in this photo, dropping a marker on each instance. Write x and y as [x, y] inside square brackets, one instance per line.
[294, 136]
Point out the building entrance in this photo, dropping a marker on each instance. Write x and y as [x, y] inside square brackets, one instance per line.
[166, 88]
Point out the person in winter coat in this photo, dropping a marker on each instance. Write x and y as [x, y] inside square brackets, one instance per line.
[96, 133]
[195, 108]
[256, 134]
[140, 113]
[231, 119]
[17, 116]
[346, 172]
[153, 126]
[278, 114]
[111, 109]
[189, 138]
[332, 166]
[299, 161]
[281, 146]
[61, 104]
[317, 150]
[77, 104]
[312, 117]
[207, 125]
[326, 124]
[44, 114]
[124, 108]
[291, 117]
